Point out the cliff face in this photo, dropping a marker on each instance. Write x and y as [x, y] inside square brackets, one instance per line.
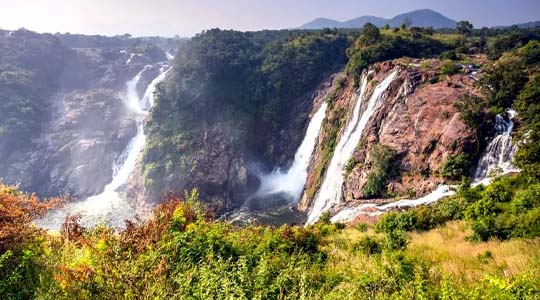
[78, 123]
[236, 104]
[416, 121]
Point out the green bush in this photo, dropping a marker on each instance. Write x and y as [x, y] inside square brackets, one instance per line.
[456, 167]
[368, 245]
[448, 67]
[472, 110]
[448, 55]
[383, 167]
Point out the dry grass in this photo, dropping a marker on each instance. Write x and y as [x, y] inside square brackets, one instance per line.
[449, 251]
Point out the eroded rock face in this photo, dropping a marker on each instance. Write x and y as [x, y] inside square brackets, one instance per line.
[85, 122]
[87, 133]
[416, 119]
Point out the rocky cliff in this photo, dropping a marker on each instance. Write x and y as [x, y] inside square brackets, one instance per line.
[68, 101]
[416, 124]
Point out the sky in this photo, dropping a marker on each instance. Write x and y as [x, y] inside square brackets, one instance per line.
[188, 17]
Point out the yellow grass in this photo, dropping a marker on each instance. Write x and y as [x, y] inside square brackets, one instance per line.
[446, 250]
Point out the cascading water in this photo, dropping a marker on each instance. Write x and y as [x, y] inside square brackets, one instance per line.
[109, 206]
[372, 209]
[330, 191]
[498, 157]
[293, 180]
[496, 161]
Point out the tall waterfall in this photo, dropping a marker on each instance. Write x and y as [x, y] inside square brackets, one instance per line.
[330, 192]
[109, 206]
[292, 181]
[498, 157]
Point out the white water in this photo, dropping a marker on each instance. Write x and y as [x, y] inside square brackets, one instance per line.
[371, 209]
[109, 206]
[330, 193]
[495, 161]
[498, 157]
[293, 180]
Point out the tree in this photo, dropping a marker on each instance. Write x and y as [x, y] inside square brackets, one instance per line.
[386, 26]
[471, 109]
[464, 27]
[370, 34]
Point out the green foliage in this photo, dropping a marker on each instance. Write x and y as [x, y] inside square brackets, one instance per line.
[507, 208]
[448, 67]
[370, 34]
[368, 245]
[464, 27]
[502, 43]
[455, 167]
[530, 53]
[528, 106]
[30, 66]
[383, 167]
[181, 253]
[472, 110]
[372, 48]
[502, 82]
[448, 55]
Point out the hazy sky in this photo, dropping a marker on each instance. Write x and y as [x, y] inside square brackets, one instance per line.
[187, 17]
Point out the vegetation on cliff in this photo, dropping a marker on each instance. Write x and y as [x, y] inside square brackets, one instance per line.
[29, 66]
[250, 83]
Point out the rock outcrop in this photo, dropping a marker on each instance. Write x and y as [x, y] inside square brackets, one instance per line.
[417, 120]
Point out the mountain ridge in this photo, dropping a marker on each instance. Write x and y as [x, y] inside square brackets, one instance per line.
[418, 18]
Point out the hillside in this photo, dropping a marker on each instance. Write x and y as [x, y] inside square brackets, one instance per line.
[416, 18]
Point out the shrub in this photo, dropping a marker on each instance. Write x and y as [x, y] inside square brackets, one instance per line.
[472, 110]
[368, 245]
[455, 167]
[383, 167]
[448, 67]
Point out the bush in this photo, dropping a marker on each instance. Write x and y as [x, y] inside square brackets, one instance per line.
[448, 67]
[502, 82]
[472, 110]
[383, 167]
[456, 167]
[368, 245]
[448, 55]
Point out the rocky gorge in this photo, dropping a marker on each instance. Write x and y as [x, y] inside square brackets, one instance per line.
[238, 128]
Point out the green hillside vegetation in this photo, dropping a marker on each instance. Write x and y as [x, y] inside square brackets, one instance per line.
[250, 80]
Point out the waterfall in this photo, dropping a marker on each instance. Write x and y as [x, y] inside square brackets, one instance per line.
[498, 157]
[292, 181]
[169, 55]
[110, 206]
[495, 161]
[330, 193]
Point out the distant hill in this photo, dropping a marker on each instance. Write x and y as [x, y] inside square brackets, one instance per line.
[523, 25]
[419, 18]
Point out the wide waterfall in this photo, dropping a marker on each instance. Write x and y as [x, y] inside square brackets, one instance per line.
[110, 206]
[291, 182]
[330, 193]
[498, 157]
